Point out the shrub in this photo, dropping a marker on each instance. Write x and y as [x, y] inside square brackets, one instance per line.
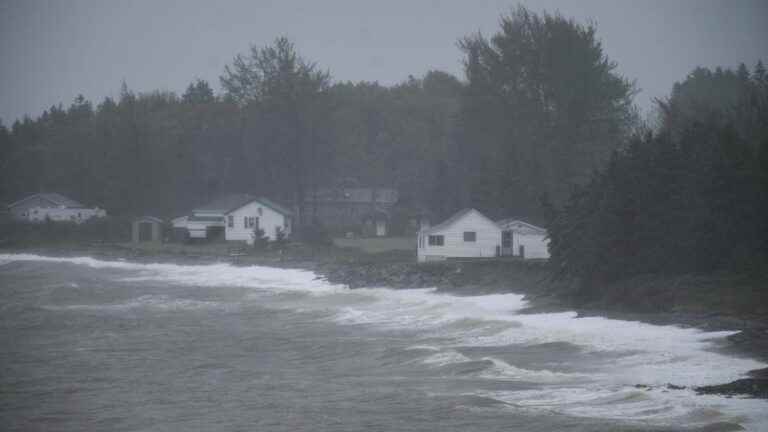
[260, 240]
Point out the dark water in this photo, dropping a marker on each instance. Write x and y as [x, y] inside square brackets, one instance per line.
[116, 346]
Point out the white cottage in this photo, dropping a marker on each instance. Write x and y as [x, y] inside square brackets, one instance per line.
[54, 207]
[257, 213]
[523, 240]
[467, 234]
[236, 217]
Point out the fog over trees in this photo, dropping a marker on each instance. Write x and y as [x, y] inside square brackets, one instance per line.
[542, 126]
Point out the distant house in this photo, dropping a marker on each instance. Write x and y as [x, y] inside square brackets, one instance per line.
[52, 206]
[365, 210]
[469, 234]
[466, 234]
[523, 240]
[179, 231]
[236, 217]
[147, 229]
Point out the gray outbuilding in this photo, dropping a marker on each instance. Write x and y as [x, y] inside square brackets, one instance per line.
[147, 229]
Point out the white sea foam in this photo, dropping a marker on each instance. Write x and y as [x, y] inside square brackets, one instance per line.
[154, 302]
[640, 353]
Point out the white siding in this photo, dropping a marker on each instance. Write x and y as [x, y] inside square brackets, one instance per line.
[180, 222]
[488, 239]
[533, 239]
[535, 245]
[59, 214]
[269, 221]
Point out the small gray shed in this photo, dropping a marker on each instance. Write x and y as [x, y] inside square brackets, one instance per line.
[147, 229]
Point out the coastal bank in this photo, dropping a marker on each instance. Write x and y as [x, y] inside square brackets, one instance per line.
[708, 302]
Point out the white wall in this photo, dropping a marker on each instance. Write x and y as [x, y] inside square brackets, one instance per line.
[269, 220]
[488, 238]
[76, 215]
[536, 245]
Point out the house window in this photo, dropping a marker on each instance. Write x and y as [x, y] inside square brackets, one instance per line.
[252, 221]
[260, 211]
[470, 236]
[436, 240]
[245, 221]
[231, 221]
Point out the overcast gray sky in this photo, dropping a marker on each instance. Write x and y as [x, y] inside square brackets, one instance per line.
[50, 51]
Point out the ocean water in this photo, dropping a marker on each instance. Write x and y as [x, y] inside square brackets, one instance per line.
[121, 346]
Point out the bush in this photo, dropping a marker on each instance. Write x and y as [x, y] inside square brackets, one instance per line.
[280, 238]
[260, 240]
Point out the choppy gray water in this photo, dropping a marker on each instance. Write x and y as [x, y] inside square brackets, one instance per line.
[117, 346]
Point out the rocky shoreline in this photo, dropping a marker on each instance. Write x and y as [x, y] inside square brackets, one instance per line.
[528, 278]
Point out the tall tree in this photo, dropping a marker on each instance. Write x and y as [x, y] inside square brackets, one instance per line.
[691, 198]
[288, 95]
[543, 107]
[198, 92]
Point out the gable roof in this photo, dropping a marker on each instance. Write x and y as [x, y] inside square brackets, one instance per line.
[275, 206]
[148, 219]
[231, 202]
[225, 203]
[353, 195]
[266, 202]
[52, 197]
[454, 218]
[509, 222]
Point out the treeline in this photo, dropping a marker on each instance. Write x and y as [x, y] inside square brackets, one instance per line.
[690, 197]
[540, 107]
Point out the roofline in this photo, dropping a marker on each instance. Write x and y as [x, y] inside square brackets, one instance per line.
[259, 200]
[529, 225]
[29, 198]
[440, 227]
[42, 196]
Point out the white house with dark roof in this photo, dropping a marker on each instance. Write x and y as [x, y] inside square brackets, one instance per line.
[466, 234]
[237, 216]
[52, 206]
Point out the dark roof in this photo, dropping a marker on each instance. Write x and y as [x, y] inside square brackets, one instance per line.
[53, 198]
[354, 195]
[148, 219]
[205, 219]
[275, 206]
[226, 203]
[231, 202]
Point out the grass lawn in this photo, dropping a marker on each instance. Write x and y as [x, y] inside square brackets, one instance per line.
[378, 244]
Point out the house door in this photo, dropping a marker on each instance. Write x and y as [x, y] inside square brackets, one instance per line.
[381, 228]
[506, 243]
[145, 232]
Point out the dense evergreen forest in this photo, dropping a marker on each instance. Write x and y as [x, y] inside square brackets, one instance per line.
[539, 108]
[541, 126]
[689, 197]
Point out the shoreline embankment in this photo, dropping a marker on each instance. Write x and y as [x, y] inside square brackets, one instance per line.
[708, 302]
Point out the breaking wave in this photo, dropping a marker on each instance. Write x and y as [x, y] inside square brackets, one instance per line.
[586, 366]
